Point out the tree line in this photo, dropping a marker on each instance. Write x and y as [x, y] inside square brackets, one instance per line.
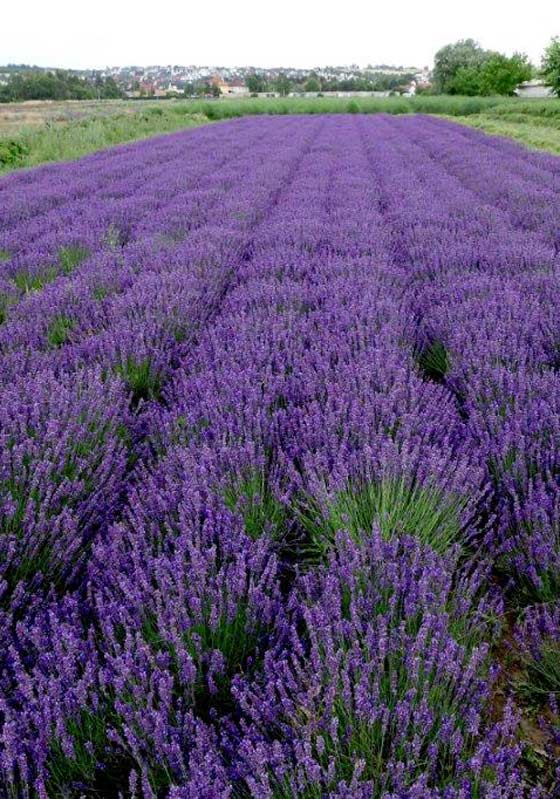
[369, 82]
[57, 85]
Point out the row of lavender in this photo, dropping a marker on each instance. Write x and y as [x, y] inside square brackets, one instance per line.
[263, 448]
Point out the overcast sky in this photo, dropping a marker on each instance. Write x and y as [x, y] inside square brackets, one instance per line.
[299, 33]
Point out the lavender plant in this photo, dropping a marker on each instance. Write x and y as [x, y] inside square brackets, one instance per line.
[379, 683]
[278, 405]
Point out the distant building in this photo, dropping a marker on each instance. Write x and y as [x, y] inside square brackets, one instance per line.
[534, 88]
[220, 83]
[237, 87]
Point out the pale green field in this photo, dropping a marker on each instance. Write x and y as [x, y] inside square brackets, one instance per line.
[539, 133]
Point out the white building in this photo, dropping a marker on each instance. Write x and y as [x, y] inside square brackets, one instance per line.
[534, 88]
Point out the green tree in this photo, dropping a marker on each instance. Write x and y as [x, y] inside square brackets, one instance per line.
[283, 85]
[466, 81]
[497, 75]
[59, 85]
[465, 68]
[312, 84]
[256, 83]
[551, 65]
[449, 60]
[110, 89]
[501, 75]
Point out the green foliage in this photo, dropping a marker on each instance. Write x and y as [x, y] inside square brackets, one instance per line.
[71, 257]
[5, 255]
[394, 505]
[466, 82]
[497, 75]
[434, 361]
[502, 75]
[72, 138]
[312, 84]
[231, 634]
[541, 671]
[353, 107]
[57, 85]
[539, 132]
[142, 379]
[464, 54]
[12, 152]
[256, 83]
[27, 281]
[283, 85]
[551, 65]
[5, 302]
[262, 513]
[59, 331]
[87, 771]
[100, 292]
[89, 737]
[465, 68]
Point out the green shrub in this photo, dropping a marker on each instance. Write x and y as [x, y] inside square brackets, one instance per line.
[12, 152]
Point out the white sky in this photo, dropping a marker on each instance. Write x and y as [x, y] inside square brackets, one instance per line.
[299, 33]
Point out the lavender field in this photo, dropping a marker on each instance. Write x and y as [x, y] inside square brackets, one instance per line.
[280, 466]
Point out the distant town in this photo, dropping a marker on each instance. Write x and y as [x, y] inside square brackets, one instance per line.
[239, 81]
[191, 81]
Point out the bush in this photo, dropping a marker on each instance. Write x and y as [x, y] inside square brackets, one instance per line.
[12, 152]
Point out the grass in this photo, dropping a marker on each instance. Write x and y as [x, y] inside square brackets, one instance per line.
[71, 257]
[539, 133]
[141, 378]
[423, 104]
[394, 505]
[261, 512]
[27, 282]
[69, 139]
[78, 129]
[59, 331]
[434, 361]
[5, 302]
[229, 634]
[88, 771]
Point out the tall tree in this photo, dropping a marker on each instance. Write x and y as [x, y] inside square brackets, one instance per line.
[283, 85]
[312, 84]
[464, 54]
[551, 65]
[255, 83]
[501, 75]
